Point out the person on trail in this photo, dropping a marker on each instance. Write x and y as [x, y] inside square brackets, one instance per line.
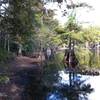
[48, 53]
[20, 50]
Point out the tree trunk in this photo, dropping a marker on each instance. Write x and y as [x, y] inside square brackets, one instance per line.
[20, 49]
[70, 80]
[98, 52]
[5, 44]
[8, 47]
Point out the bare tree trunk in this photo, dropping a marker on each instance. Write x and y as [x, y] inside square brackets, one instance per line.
[87, 45]
[20, 49]
[98, 53]
[87, 48]
[5, 42]
[70, 80]
[8, 47]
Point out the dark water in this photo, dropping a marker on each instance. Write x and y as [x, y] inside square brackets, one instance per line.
[77, 90]
[34, 87]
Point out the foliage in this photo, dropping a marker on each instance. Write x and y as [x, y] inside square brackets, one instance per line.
[59, 60]
[51, 69]
[79, 38]
[83, 56]
[4, 79]
[25, 21]
[92, 34]
[4, 55]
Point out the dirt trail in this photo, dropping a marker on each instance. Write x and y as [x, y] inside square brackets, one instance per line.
[23, 72]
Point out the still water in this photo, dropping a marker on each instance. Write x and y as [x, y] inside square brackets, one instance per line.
[92, 83]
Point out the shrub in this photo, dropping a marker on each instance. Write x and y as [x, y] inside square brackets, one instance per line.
[5, 56]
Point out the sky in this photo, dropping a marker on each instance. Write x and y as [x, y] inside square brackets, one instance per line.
[84, 16]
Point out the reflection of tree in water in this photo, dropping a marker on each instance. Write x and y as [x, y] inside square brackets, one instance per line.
[35, 87]
[38, 90]
[77, 91]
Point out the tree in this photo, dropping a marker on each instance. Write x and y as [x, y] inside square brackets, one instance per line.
[92, 39]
